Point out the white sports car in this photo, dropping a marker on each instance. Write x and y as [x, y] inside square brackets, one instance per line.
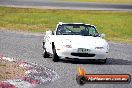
[75, 41]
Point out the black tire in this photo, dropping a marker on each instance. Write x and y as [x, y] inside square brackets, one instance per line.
[45, 54]
[55, 56]
[102, 61]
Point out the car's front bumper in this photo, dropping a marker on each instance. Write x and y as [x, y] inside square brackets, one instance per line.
[72, 53]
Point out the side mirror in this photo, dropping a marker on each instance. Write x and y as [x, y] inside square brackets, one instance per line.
[49, 32]
[103, 35]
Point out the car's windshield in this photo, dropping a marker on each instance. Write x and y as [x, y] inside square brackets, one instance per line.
[77, 29]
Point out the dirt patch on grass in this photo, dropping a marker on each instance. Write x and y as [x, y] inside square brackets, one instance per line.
[10, 70]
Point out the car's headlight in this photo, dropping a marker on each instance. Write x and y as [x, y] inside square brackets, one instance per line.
[67, 46]
[99, 47]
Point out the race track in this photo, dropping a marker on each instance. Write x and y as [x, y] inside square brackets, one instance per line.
[51, 4]
[28, 46]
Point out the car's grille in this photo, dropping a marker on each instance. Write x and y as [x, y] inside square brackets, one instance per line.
[83, 54]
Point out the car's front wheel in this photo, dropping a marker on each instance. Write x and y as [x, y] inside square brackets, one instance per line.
[102, 61]
[55, 56]
[45, 54]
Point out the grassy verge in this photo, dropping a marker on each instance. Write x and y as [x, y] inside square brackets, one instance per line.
[10, 70]
[116, 25]
[104, 1]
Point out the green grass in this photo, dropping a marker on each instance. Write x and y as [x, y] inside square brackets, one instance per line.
[116, 25]
[104, 1]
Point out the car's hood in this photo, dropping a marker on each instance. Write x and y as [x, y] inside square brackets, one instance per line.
[81, 41]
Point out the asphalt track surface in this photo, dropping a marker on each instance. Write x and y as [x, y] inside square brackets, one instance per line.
[28, 46]
[65, 5]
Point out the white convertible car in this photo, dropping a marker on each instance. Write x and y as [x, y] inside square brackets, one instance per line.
[75, 41]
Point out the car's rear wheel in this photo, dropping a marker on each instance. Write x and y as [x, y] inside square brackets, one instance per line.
[45, 54]
[55, 56]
